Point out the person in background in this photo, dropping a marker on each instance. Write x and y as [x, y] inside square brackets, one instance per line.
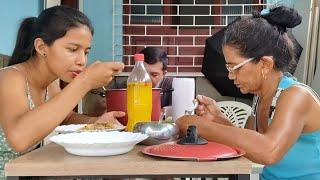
[156, 62]
[49, 47]
[284, 129]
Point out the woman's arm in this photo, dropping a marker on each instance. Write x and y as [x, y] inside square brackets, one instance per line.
[268, 148]
[73, 117]
[250, 123]
[23, 127]
[76, 118]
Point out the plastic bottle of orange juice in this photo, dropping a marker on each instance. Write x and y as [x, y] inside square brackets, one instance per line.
[139, 94]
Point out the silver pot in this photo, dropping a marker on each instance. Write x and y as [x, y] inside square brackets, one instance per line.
[158, 132]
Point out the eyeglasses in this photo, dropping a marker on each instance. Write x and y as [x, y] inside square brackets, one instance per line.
[232, 69]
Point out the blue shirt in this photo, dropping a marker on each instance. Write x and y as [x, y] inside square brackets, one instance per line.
[302, 161]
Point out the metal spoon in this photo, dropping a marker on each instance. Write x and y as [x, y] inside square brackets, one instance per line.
[191, 111]
[162, 115]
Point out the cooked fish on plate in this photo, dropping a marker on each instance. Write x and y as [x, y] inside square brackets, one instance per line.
[88, 127]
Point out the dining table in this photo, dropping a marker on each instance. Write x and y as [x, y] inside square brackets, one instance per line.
[52, 161]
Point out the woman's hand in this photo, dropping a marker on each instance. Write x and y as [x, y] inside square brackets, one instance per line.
[208, 109]
[111, 117]
[99, 73]
[185, 121]
[188, 120]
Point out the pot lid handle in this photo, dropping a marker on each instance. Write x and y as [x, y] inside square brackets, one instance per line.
[192, 137]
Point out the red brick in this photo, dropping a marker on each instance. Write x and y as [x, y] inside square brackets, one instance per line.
[172, 69]
[161, 30]
[198, 60]
[137, 30]
[171, 50]
[125, 40]
[180, 61]
[248, 9]
[193, 31]
[172, 61]
[145, 40]
[216, 9]
[125, 19]
[169, 9]
[125, 1]
[215, 29]
[178, 40]
[132, 62]
[184, 40]
[127, 50]
[168, 2]
[191, 50]
[138, 49]
[125, 60]
[127, 69]
[256, 1]
[167, 41]
[201, 40]
[185, 61]
[131, 50]
[214, 20]
[126, 9]
[167, 20]
[189, 69]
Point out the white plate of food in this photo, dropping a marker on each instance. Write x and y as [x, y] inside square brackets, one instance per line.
[98, 143]
[63, 129]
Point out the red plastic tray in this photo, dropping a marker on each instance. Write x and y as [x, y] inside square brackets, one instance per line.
[210, 152]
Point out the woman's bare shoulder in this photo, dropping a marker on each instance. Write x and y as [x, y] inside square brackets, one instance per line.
[10, 77]
[13, 99]
[296, 99]
[300, 93]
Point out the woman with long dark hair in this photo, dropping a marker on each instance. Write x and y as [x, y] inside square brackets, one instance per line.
[49, 47]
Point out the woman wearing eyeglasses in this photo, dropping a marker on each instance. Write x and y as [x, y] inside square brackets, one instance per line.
[284, 129]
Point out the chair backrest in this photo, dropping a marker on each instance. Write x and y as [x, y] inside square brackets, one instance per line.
[237, 112]
[4, 60]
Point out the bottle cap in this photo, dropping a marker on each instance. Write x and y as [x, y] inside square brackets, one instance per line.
[139, 57]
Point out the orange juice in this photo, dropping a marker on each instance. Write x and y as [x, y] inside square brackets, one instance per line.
[139, 103]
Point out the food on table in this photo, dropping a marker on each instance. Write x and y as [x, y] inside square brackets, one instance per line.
[99, 126]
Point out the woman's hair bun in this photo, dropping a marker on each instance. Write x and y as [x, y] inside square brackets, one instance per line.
[283, 16]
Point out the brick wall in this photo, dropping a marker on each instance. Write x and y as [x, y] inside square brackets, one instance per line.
[178, 26]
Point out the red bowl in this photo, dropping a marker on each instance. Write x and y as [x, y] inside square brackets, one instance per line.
[116, 100]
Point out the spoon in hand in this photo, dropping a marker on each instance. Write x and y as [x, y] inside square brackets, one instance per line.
[191, 111]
